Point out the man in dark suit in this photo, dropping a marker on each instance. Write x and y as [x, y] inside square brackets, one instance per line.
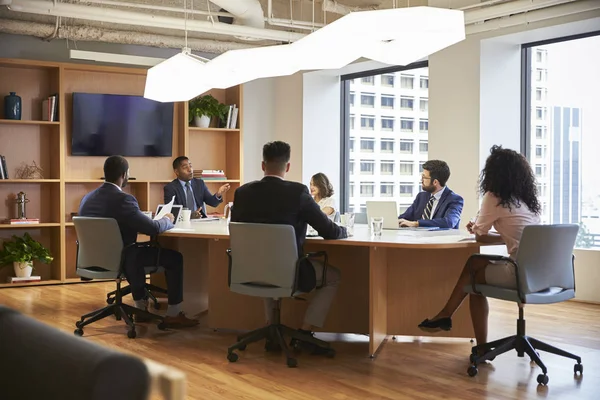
[191, 192]
[436, 205]
[274, 200]
[109, 201]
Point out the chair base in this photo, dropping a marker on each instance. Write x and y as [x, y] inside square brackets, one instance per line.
[275, 333]
[523, 344]
[120, 311]
[148, 289]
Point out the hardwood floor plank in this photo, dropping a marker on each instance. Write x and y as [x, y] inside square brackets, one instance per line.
[408, 368]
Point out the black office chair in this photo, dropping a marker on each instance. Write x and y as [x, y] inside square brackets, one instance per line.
[148, 288]
[100, 255]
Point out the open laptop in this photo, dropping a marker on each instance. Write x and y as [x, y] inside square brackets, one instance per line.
[175, 210]
[386, 209]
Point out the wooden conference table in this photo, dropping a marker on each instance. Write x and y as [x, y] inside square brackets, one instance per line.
[388, 284]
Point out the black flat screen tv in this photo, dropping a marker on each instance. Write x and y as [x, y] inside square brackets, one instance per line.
[108, 124]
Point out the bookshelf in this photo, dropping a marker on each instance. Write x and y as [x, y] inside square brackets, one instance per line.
[67, 178]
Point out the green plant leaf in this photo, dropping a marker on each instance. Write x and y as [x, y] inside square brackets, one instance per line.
[24, 249]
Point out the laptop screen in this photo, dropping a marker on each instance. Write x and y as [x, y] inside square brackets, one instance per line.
[175, 210]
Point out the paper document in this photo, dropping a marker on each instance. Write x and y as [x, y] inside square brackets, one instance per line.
[165, 210]
[207, 219]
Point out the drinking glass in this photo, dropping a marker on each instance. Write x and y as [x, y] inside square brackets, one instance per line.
[348, 222]
[376, 226]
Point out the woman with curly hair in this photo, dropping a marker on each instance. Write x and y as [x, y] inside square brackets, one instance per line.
[322, 191]
[509, 204]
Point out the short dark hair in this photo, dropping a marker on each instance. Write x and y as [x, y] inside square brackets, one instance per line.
[276, 154]
[114, 168]
[439, 170]
[178, 161]
[321, 181]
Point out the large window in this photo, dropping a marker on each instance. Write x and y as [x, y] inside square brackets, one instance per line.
[562, 131]
[397, 130]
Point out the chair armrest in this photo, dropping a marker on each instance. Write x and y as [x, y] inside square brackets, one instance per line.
[228, 251]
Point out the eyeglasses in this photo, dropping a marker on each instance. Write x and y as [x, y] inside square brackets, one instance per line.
[424, 178]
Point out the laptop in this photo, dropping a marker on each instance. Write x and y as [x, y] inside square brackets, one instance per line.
[386, 209]
[175, 210]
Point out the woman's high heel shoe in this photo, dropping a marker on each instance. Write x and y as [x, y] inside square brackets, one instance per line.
[440, 324]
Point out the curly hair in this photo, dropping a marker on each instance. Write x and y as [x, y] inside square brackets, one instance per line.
[325, 187]
[508, 175]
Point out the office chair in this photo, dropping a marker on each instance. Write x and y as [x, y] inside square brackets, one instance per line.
[42, 362]
[263, 262]
[100, 255]
[148, 288]
[545, 274]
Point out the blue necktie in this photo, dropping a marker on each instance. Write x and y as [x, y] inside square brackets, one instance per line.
[189, 196]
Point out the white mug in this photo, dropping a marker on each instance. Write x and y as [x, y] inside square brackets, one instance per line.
[186, 215]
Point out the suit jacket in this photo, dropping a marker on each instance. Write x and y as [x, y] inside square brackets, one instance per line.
[201, 194]
[447, 212]
[275, 201]
[109, 202]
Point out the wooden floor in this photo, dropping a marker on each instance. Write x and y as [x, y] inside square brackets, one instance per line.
[408, 368]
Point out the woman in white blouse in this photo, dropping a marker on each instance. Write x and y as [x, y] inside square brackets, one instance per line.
[509, 204]
[322, 191]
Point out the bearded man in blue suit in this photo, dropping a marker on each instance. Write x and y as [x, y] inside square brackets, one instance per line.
[437, 205]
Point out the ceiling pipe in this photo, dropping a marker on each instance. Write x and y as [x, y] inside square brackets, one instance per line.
[246, 12]
[141, 19]
[510, 8]
[145, 6]
[337, 8]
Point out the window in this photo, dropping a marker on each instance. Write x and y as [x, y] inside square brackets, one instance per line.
[424, 83]
[406, 168]
[402, 209]
[421, 163]
[387, 80]
[352, 99]
[540, 94]
[387, 123]
[367, 100]
[540, 151]
[387, 101]
[540, 55]
[406, 146]
[387, 189]
[367, 167]
[381, 138]
[368, 80]
[406, 189]
[387, 167]
[423, 125]
[407, 81]
[367, 189]
[407, 103]
[540, 113]
[540, 132]
[367, 122]
[541, 75]
[387, 145]
[367, 145]
[406, 124]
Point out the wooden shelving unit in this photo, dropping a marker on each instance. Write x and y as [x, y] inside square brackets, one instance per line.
[68, 178]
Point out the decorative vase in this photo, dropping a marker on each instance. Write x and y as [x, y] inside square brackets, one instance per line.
[23, 269]
[12, 106]
[202, 121]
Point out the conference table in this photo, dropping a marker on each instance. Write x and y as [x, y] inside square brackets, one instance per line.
[389, 284]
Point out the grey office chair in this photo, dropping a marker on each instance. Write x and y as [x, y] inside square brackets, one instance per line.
[545, 274]
[100, 255]
[42, 362]
[263, 262]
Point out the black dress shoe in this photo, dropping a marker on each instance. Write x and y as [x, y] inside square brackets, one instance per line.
[440, 324]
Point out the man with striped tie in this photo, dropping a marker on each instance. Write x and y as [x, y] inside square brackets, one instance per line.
[436, 205]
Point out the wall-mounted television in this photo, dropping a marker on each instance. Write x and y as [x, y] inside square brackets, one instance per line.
[108, 124]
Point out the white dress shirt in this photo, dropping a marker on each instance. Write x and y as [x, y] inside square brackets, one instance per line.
[437, 197]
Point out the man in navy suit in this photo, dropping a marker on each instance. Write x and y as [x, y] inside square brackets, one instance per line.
[191, 192]
[273, 200]
[109, 201]
[436, 205]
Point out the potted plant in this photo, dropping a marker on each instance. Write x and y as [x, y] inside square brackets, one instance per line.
[21, 252]
[203, 108]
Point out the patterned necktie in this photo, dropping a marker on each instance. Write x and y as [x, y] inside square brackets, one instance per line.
[428, 207]
[189, 196]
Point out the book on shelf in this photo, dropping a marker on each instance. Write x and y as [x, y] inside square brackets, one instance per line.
[23, 221]
[50, 108]
[24, 279]
[3, 170]
[210, 174]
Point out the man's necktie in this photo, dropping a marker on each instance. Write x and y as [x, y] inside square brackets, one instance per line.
[189, 196]
[428, 207]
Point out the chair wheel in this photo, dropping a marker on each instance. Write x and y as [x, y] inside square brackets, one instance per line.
[162, 326]
[578, 368]
[242, 348]
[110, 300]
[472, 371]
[78, 324]
[131, 334]
[292, 362]
[156, 305]
[78, 332]
[542, 379]
[232, 357]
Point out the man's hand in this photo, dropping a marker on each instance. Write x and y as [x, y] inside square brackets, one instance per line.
[170, 217]
[405, 223]
[470, 226]
[223, 189]
[196, 214]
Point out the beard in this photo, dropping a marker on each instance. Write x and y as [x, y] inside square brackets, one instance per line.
[428, 188]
